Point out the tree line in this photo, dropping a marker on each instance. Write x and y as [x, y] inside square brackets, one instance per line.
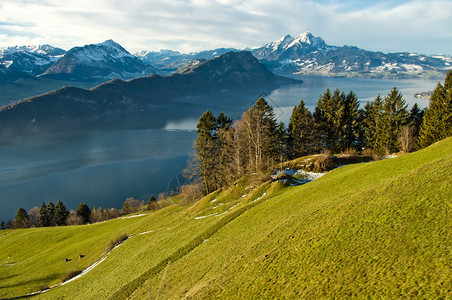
[57, 215]
[225, 149]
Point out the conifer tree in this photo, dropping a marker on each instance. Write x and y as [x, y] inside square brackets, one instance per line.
[329, 114]
[415, 119]
[44, 216]
[226, 151]
[21, 218]
[303, 132]
[372, 123]
[152, 203]
[84, 212]
[51, 213]
[351, 122]
[3, 225]
[207, 151]
[394, 117]
[282, 140]
[61, 214]
[437, 122]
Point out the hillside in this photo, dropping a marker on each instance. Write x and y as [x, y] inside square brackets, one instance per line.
[379, 229]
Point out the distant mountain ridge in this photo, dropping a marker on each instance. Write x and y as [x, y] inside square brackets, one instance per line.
[105, 60]
[144, 100]
[304, 54]
[32, 60]
[307, 54]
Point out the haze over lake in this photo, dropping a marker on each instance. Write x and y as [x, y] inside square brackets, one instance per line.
[103, 168]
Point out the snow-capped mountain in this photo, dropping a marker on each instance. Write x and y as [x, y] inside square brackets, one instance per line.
[101, 61]
[32, 60]
[291, 48]
[310, 55]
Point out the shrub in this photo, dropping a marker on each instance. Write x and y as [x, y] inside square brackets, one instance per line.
[70, 274]
[117, 241]
[191, 192]
[349, 152]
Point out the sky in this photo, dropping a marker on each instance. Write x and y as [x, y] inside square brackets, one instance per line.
[419, 26]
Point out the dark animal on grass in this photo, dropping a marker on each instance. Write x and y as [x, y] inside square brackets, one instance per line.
[81, 256]
[67, 259]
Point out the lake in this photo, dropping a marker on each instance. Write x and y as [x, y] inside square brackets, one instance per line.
[103, 168]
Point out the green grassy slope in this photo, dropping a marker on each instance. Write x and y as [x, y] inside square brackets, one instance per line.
[379, 229]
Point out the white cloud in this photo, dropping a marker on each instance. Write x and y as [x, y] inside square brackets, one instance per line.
[187, 25]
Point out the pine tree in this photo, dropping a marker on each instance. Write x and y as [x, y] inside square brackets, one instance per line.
[21, 218]
[61, 214]
[437, 122]
[372, 123]
[44, 216]
[84, 212]
[415, 119]
[226, 151]
[329, 115]
[303, 132]
[351, 123]
[51, 213]
[3, 225]
[394, 117]
[282, 140]
[207, 151]
[152, 203]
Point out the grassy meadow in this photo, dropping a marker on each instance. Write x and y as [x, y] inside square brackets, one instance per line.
[369, 230]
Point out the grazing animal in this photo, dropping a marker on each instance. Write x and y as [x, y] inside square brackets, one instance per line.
[67, 259]
[81, 256]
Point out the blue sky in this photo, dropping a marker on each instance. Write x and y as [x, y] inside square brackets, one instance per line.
[190, 25]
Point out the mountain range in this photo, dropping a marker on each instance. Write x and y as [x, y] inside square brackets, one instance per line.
[144, 101]
[304, 54]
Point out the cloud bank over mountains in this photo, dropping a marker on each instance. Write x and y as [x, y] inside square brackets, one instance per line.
[192, 25]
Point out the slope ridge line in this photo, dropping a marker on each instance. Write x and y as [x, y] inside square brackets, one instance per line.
[129, 288]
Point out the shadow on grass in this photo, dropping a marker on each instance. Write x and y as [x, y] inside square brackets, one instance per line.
[37, 281]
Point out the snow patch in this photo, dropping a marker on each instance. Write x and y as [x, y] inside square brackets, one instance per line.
[133, 216]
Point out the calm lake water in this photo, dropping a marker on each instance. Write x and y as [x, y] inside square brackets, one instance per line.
[103, 168]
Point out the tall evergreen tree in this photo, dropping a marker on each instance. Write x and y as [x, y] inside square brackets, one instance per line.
[51, 212]
[61, 214]
[395, 116]
[329, 115]
[437, 122]
[351, 122]
[3, 225]
[44, 216]
[282, 140]
[207, 151]
[372, 123]
[416, 118]
[303, 132]
[21, 218]
[226, 152]
[83, 211]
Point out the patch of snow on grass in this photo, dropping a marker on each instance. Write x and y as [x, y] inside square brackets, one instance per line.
[232, 207]
[202, 217]
[133, 216]
[94, 264]
[258, 198]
